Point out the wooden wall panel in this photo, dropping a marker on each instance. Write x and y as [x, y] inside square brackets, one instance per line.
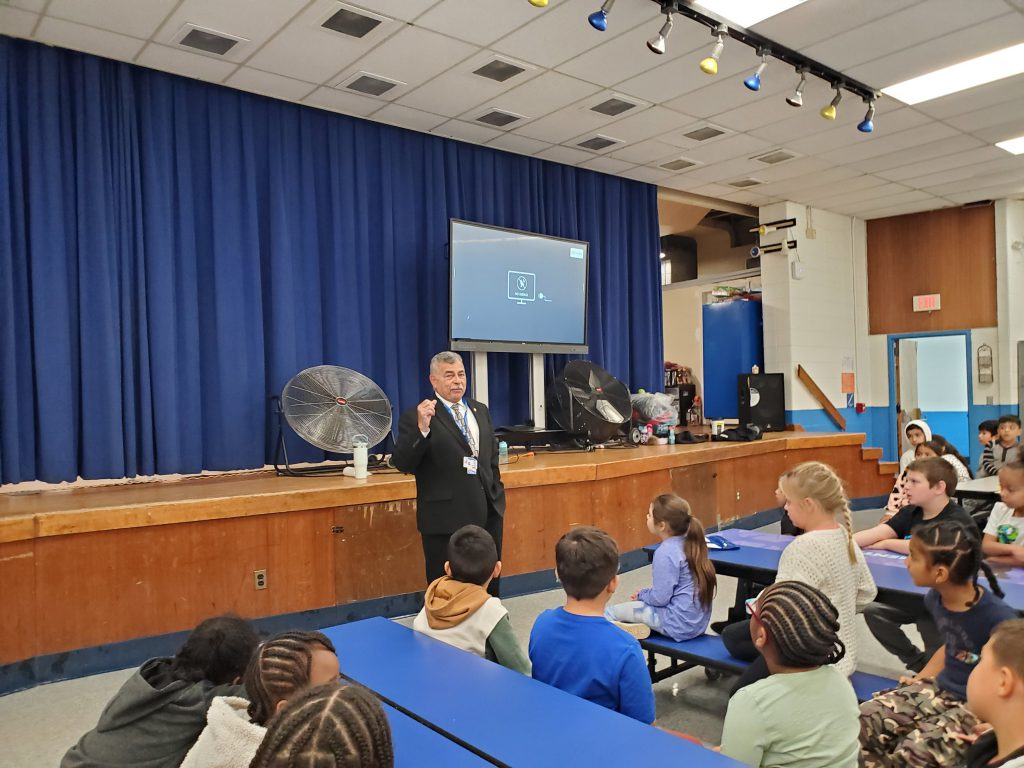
[950, 252]
[620, 506]
[536, 518]
[378, 552]
[698, 484]
[18, 628]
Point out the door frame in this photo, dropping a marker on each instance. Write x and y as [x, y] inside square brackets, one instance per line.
[895, 337]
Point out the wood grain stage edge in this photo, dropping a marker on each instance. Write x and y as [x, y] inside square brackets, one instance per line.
[102, 565]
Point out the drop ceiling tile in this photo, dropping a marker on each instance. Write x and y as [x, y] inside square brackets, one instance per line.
[542, 95]
[413, 56]
[406, 117]
[728, 148]
[184, 63]
[647, 152]
[807, 189]
[304, 50]
[519, 144]
[854, 197]
[126, 17]
[933, 204]
[477, 21]
[474, 133]
[561, 126]
[1001, 132]
[17, 22]
[647, 175]
[681, 140]
[78, 37]
[1008, 109]
[606, 165]
[712, 96]
[712, 190]
[763, 108]
[254, 20]
[800, 166]
[889, 201]
[918, 153]
[1012, 179]
[947, 163]
[973, 100]
[726, 171]
[988, 193]
[809, 23]
[901, 30]
[865, 145]
[269, 84]
[969, 41]
[35, 6]
[565, 155]
[648, 124]
[407, 10]
[683, 184]
[965, 171]
[342, 101]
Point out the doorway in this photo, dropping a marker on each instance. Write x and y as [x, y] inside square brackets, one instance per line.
[930, 380]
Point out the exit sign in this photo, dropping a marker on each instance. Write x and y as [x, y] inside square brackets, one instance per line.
[929, 302]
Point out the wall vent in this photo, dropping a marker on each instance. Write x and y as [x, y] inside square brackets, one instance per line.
[705, 133]
[745, 183]
[207, 40]
[597, 143]
[499, 70]
[679, 164]
[349, 21]
[370, 84]
[613, 106]
[775, 156]
[498, 118]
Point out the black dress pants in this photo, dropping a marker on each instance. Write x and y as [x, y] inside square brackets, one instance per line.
[435, 549]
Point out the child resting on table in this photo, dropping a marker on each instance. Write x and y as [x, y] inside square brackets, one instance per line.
[825, 557]
[1004, 534]
[925, 721]
[804, 715]
[679, 602]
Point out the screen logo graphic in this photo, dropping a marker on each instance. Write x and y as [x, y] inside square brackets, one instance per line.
[522, 286]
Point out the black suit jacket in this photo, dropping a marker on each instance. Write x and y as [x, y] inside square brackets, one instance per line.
[448, 498]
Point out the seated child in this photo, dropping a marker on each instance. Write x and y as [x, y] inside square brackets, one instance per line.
[160, 711]
[576, 648]
[987, 431]
[1005, 448]
[281, 667]
[824, 557]
[679, 603]
[925, 721]
[332, 726]
[1003, 542]
[917, 432]
[941, 447]
[995, 694]
[930, 482]
[804, 715]
[457, 608]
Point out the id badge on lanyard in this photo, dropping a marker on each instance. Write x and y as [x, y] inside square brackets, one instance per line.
[469, 463]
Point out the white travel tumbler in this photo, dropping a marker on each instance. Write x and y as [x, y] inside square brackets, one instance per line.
[359, 455]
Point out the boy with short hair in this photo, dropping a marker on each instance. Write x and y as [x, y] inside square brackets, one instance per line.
[917, 432]
[995, 694]
[987, 431]
[1003, 542]
[457, 608]
[1005, 448]
[929, 485]
[575, 648]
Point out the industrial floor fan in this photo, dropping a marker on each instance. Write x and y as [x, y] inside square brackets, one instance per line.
[590, 404]
[332, 408]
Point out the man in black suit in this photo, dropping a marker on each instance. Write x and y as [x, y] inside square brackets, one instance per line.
[448, 442]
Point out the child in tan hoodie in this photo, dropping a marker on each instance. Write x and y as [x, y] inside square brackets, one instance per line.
[458, 610]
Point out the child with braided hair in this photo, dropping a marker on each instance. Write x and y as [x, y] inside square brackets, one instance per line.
[804, 715]
[330, 726]
[826, 557]
[281, 667]
[925, 721]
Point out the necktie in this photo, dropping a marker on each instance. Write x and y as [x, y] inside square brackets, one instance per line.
[464, 426]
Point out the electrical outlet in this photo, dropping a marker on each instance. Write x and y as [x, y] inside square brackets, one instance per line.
[260, 578]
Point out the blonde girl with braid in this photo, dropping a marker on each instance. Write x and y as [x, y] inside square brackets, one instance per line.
[804, 714]
[282, 667]
[826, 557]
[331, 726]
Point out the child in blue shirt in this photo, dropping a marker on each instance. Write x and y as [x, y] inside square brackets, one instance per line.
[679, 602]
[576, 648]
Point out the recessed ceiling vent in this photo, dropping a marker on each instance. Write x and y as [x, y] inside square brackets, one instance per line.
[599, 142]
[207, 40]
[613, 106]
[499, 70]
[745, 183]
[774, 157]
[371, 85]
[679, 164]
[498, 118]
[349, 21]
[705, 133]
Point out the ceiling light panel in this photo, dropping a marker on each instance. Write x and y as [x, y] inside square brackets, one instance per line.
[988, 68]
[747, 13]
[1013, 146]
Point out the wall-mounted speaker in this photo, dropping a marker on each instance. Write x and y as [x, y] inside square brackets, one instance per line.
[762, 400]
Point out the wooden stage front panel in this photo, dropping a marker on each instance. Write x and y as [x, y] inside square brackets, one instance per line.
[91, 566]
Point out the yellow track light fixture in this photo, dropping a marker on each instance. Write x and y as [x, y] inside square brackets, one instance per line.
[539, 3]
[829, 111]
[796, 99]
[657, 43]
[709, 66]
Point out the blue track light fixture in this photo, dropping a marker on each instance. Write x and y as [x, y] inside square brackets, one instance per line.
[796, 99]
[867, 125]
[599, 19]
[657, 43]
[754, 81]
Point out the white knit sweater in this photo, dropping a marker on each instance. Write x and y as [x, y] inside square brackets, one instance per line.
[230, 739]
[821, 559]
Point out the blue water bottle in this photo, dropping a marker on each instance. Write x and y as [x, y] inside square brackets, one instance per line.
[503, 452]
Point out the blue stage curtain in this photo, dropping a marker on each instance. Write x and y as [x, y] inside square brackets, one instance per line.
[172, 252]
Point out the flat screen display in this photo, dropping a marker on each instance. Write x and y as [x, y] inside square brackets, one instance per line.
[516, 291]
